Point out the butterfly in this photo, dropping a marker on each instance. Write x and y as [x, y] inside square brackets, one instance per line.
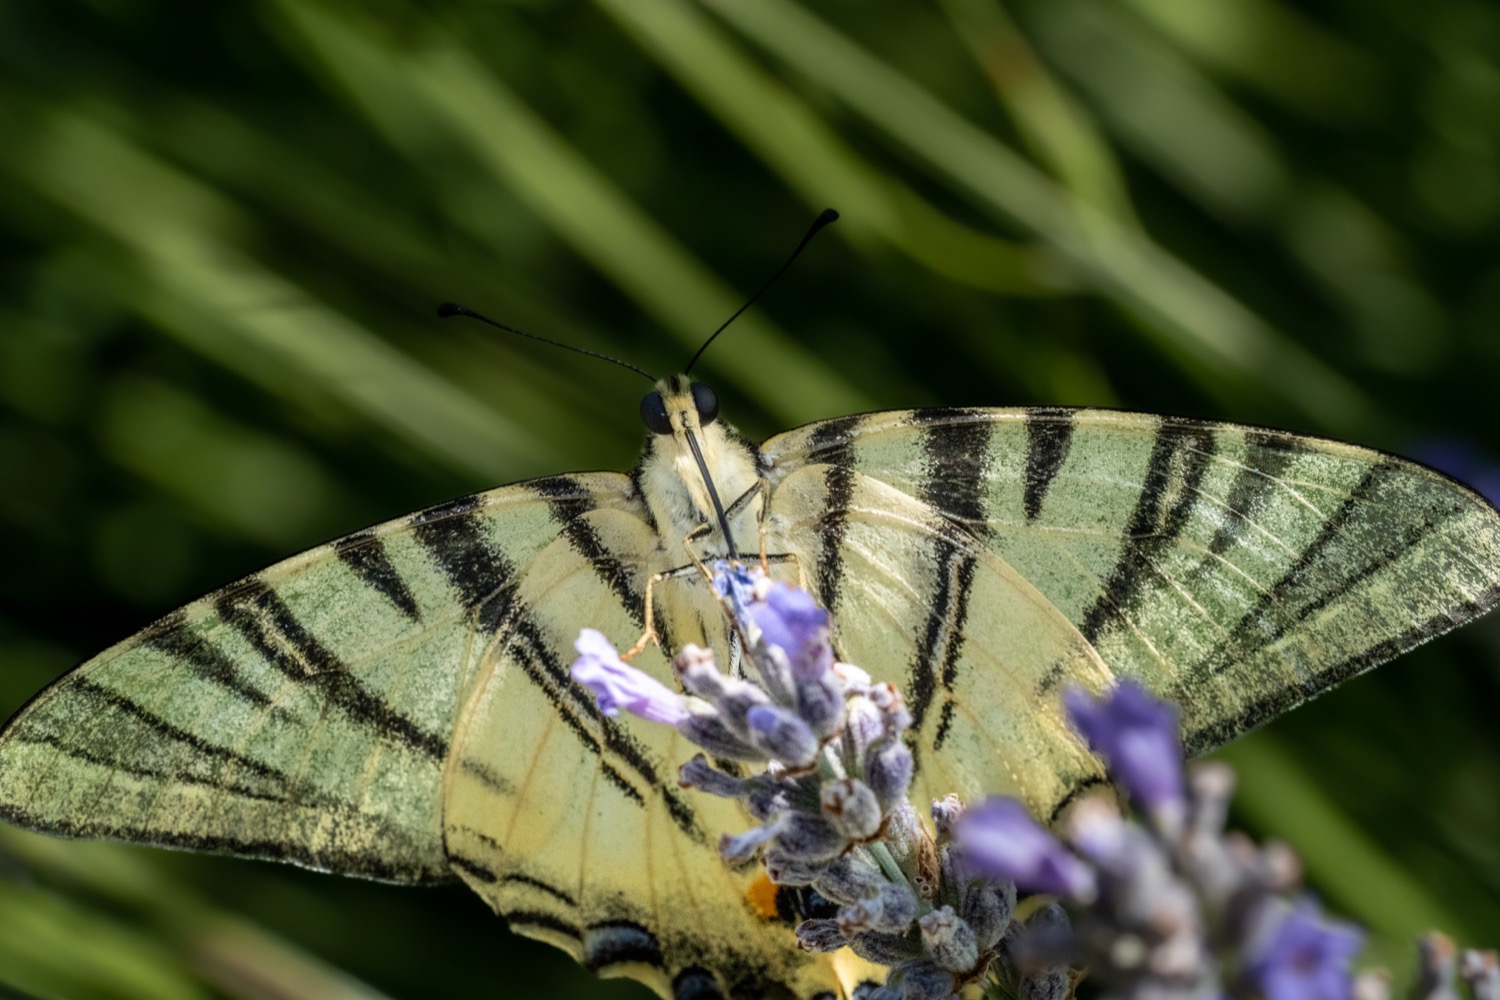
[396, 704]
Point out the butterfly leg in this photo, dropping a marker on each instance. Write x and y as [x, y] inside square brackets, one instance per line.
[650, 635]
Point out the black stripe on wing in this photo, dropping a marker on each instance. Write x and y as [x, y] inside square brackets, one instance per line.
[1049, 435]
[365, 555]
[831, 443]
[254, 610]
[954, 482]
[1180, 457]
[171, 636]
[1267, 457]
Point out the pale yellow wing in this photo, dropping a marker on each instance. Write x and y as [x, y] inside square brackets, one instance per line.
[396, 705]
[1237, 571]
[572, 826]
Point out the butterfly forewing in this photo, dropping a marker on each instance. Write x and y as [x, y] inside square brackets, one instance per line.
[1238, 571]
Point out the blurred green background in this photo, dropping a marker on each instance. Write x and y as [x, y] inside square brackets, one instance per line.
[225, 227]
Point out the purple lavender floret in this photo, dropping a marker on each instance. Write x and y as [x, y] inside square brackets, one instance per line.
[736, 584]
[791, 619]
[1136, 735]
[1306, 958]
[999, 838]
[616, 684]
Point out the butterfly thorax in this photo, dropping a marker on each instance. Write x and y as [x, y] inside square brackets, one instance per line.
[689, 459]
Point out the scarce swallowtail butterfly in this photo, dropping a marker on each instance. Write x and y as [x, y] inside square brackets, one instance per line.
[396, 704]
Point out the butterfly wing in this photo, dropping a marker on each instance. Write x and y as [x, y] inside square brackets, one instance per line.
[572, 826]
[304, 713]
[1235, 570]
[396, 705]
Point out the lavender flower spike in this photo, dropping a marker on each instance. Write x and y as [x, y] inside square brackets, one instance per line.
[1306, 958]
[999, 838]
[1136, 734]
[616, 684]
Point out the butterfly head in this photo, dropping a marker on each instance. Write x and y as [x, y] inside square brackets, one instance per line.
[692, 460]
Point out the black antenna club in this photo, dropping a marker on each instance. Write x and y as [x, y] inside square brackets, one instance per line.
[826, 217]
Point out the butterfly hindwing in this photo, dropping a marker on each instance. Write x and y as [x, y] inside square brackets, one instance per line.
[1236, 570]
[572, 826]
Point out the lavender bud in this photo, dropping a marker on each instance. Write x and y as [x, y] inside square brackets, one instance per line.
[851, 807]
[616, 684]
[820, 702]
[740, 849]
[898, 908]
[945, 813]
[862, 728]
[860, 917]
[1210, 785]
[783, 870]
[1375, 984]
[885, 949]
[1436, 968]
[1136, 734]
[854, 680]
[791, 618]
[923, 980]
[781, 735]
[694, 669]
[892, 707]
[1096, 830]
[820, 935]
[1046, 982]
[764, 797]
[987, 906]
[1305, 958]
[1280, 868]
[736, 701]
[700, 774]
[775, 671]
[1000, 838]
[706, 728]
[949, 941]
[1481, 971]
[904, 833]
[888, 772]
[805, 837]
[737, 585]
[850, 878]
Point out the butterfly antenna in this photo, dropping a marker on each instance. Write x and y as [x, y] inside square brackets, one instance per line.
[448, 309]
[824, 218]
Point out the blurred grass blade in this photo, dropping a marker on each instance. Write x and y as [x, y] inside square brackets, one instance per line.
[1058, 129]
[444, 86]
[1193, 319]
[1278, 50]
[1166, 112]
[199, 285]
[771, 120]
[155, 938]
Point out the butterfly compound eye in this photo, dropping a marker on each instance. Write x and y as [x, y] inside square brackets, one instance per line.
[705, 402]
[654, 414]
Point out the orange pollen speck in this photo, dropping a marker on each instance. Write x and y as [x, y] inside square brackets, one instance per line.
[761, 895]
